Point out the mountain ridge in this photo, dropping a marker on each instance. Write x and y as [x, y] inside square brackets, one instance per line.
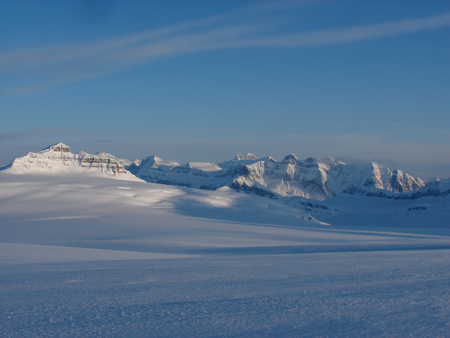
[311, 178]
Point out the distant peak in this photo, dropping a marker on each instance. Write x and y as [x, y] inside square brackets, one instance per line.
[291, 158]
[153, 158]
[328, 160]
[250, 156]
[155, 162]
[58, 157]
[311, 160]
[59, 147]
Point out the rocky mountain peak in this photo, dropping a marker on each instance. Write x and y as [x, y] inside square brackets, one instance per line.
[290, 159]
[58, 147]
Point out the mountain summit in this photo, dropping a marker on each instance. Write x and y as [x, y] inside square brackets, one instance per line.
[59, 147]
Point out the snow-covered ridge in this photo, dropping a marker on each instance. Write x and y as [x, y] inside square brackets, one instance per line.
[436, 187]
[433, 188]
[311, 178]
[200, 166]
[59, 156]
[240, 159]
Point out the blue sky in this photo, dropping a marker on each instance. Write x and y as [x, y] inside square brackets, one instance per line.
[204, 80]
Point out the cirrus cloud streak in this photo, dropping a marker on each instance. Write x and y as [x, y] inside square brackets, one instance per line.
[32, 70]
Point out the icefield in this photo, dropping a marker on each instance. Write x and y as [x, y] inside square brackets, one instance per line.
[83, 254]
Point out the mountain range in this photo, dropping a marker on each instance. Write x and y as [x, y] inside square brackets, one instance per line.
[312, 178]
[317, 190]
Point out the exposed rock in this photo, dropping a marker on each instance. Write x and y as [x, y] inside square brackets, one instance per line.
[61, 147]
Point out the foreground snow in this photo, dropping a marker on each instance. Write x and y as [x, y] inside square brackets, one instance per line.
[88, 255]
[381, 294]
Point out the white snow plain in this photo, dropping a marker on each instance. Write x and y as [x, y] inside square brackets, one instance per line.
[83, 254]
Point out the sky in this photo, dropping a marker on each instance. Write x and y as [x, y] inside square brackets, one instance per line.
[205, 80]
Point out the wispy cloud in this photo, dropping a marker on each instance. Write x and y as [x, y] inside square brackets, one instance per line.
[40, 68]
[352, 34]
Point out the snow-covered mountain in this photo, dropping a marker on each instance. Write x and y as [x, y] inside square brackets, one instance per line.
[342, 192]
[151, 168]
[240, 159]
[311, 178]
[59, 157]
[435, 188]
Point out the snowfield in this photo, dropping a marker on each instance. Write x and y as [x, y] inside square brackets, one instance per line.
[86, 254]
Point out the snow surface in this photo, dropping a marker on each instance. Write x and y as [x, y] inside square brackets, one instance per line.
[84, 254]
